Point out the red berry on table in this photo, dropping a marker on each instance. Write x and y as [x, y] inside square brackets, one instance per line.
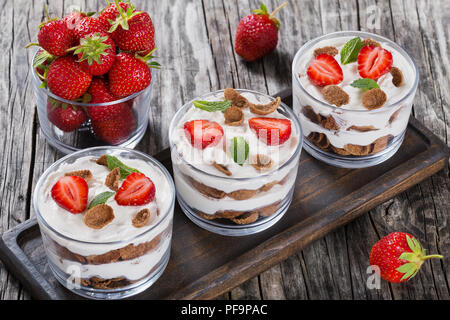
[257, 34]
[324, 70]
[129, 74]
[96, 53]
[87, 25]
[399, 256]
[110, 13]
[99, 92]
[271, 131]
[67, 79]
[71, 194]
[136, 190]
[115, 130]
[72, 19]
[203, 133]
[56, 38]
[64, 116]
[374, 62]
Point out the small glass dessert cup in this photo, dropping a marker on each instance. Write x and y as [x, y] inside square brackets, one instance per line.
[103, 254]
[243, 182]
[119, 123]
[345, 133]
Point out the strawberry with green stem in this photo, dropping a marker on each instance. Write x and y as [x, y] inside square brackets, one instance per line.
[55, 36]
[110, 13]
[41, 63]
[87, 25]
[133, 30]
[399, 256]
[96, 53]
[131, 73]
[257, 34]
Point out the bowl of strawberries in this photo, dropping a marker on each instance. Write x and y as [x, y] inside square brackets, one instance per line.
[92, 77]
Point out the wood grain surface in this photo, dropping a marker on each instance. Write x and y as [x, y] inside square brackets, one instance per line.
[195, 40]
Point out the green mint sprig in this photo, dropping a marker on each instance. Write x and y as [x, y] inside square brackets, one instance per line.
[239, 150]
[125, 170]
[212, 106]
[350, 51]
[365, 84]
[101, 199]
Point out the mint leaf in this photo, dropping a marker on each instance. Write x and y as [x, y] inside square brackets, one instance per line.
[365, 84]
[239, 150]
[101, 199]
[125, 171]
[212, 106]
[350, 51]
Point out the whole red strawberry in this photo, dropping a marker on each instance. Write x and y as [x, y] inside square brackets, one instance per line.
[67, 79]
[399, 256]
[66, 117]
[96, 53]
[130, 74]
[257, 34]
[116, 130]
[100, 93]
[87, 25]
[56, 38]
[110, 13]
[73, 19]
[133, 31]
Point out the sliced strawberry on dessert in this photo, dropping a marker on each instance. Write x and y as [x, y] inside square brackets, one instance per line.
[136, 190]
[325, 70]
[115, 130]
[203, 133]
[130, 74]
[99, 92]
[96, 53]
[67, 79]
[71, 194]
[272, 131]
[65, 116]
[399, 257]
[374, 62]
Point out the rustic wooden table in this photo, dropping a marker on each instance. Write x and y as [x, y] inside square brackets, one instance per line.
[195, 40]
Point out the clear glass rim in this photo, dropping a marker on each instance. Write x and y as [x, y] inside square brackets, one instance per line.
[402, 51]
[286, 164]
[75, 154]
[37, 80]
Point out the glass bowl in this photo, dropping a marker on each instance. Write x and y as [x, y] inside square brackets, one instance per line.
[112, 263]
[355, 138]
[212, 201]
[124, 130]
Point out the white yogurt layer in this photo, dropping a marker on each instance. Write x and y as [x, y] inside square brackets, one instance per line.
[351, 74]
[354, 113]
[121, 228]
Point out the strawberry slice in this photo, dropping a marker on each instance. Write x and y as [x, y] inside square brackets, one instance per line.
[71, 194]
[325, 70]
[203, 133]
[272, 131]
[136, 190]
[373, 62]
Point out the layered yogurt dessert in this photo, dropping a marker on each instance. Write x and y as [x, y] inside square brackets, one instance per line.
[106, 220]
[353, 93]
[235, 156]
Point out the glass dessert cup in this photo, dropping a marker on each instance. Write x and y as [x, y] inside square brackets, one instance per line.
[108, 269]
[354, 138]
[130, 125]
[268, 195]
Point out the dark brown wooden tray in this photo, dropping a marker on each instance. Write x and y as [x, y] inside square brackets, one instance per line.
[204, 265]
